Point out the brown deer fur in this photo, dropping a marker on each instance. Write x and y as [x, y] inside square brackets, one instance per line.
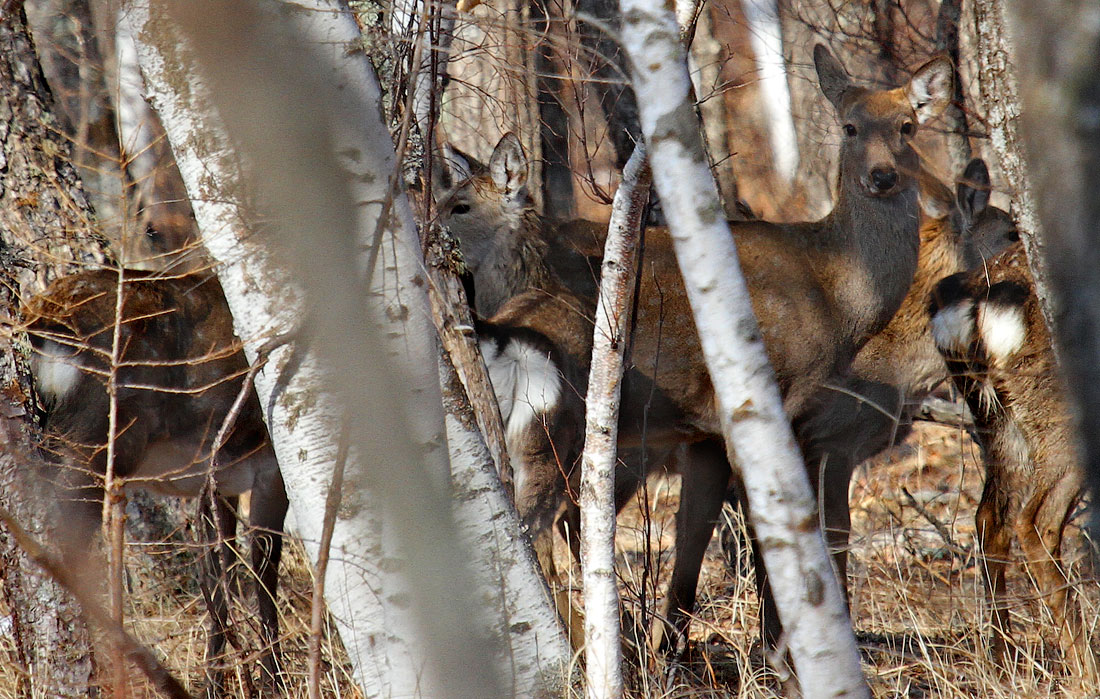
[180, 369]
[872, 408]
[820, 291]
[989, 326]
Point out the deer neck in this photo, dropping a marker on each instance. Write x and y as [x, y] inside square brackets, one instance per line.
[875, 240]
[510, 262]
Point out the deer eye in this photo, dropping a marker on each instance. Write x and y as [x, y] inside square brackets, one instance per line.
[151, 233]
[849, 130]
[908, 129]
[460, 209]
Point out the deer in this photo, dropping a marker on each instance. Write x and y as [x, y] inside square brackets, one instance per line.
[873, 406]
[820, 291]
[164, 235]
[989, 327]
[178, 372]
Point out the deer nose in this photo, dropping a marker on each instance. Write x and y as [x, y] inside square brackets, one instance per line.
[884, 179]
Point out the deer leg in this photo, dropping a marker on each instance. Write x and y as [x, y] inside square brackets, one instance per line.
[995, 539]
[219, 527]
[705, 476]
[266, 518]
[1040, 531]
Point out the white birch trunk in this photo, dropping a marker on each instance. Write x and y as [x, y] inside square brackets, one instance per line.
[806, 591]
[134, 116]
[304, 112]
[603, 649]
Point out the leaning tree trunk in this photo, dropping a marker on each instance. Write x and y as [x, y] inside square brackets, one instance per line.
[44, 221]
[807, 593]
[399, 577]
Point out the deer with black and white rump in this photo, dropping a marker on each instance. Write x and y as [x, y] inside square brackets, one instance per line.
[989, 326]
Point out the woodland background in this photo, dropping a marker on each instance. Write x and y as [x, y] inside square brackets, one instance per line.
[548, 71]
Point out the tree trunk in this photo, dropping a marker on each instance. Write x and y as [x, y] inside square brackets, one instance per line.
[1058, 69]
[611, 85]
[75, 62]
[399, 578]
[556, 173]
[44, 227]
[807, 593]
[948, 22]
[999, 88]
[603, 654]
[816, 132]
[767, 45]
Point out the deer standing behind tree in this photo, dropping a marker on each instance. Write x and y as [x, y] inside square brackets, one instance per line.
[990, 329]
[819, 289]
[872, 408]
[177, 372]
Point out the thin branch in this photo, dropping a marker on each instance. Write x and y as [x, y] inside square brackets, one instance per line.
[317, 605]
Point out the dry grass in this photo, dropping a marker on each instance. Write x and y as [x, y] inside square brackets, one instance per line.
[915, 583]
[916, 593]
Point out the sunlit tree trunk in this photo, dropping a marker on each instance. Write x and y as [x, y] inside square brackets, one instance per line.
[597, 499]
[1047, 61]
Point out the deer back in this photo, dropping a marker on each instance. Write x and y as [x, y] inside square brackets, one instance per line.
[819, 289]
[179, 370]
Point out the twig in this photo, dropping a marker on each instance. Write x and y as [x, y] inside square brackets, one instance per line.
[931, 519]
[317, 606]
[133, 650]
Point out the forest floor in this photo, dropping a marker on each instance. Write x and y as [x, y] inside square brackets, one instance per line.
[916, 595]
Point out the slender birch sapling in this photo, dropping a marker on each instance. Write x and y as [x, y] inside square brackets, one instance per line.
[755, 428]
[603, 654]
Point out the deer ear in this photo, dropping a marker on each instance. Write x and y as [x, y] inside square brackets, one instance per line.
[931, 88]
[973, 189]
[460, 166]
[831, 75]
[508, 165]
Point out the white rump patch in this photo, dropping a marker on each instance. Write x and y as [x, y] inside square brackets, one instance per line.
[56, 370]
[1002, 330]
[527, 385]
[952, 327]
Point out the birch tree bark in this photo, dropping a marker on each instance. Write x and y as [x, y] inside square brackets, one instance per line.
[807, 594]
[603, 649]
[305, 138]
[767, 45]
